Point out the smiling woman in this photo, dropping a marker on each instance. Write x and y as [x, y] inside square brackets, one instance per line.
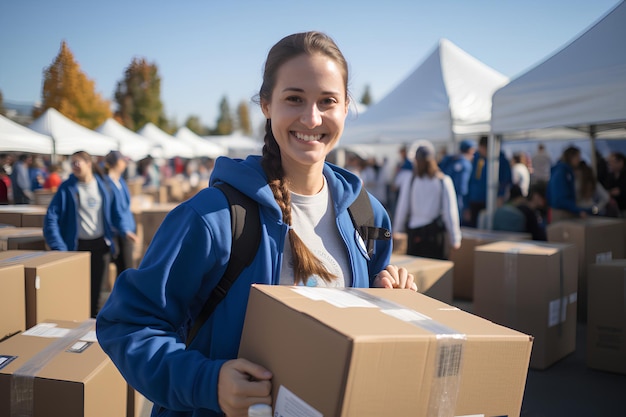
[300, 197]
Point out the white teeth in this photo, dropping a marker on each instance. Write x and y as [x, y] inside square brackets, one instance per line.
[307, 138]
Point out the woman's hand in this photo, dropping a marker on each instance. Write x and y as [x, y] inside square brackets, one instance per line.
[242, 383]
[131, 237]
[394, 277]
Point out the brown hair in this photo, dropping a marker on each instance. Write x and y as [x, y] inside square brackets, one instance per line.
[95, 169]
[305, 263]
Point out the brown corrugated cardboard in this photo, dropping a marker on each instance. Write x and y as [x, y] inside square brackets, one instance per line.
[606, 320]
[33, 219]
[382, 352]
[59, 369]
[530, 287]
[28, 238]
[463, 257]
[598, 239]
[12, 214]
[151, 219]
[12, 300]
[138, 405]
[57, 284]
[433, 277]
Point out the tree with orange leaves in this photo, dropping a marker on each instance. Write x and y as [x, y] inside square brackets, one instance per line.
[67, 89]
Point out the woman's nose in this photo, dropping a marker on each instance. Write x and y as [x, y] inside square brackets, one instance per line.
[311, 116]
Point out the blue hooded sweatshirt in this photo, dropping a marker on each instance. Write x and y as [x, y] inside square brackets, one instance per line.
[143, 324]
[121, 205]
[60, 228]
[561, 193]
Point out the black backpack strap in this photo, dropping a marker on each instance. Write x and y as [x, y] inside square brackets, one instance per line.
[362, 216]
[246, 232]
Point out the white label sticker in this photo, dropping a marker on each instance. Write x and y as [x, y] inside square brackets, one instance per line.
[290, 405]
[37, 282]
[338, 298]
[554, 310]
[90, 336]
[604, 257]
[573, 297]
[46, 330]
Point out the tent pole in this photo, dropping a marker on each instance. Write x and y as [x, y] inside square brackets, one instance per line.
[493, 169]
[592, 145]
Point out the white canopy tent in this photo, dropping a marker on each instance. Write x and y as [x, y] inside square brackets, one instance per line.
[169, 146]
[581, 87]
[69, 137]
[131, 144]
[447, 96]
[17, 138]
[237, 145]
[201, 147]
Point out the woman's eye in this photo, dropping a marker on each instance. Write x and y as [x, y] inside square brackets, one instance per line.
[294, 99]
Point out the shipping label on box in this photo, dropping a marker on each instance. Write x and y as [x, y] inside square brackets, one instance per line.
[58, 367]
[349, 343]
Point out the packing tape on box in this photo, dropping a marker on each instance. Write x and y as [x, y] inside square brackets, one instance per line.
[448, 360]
[23, 380]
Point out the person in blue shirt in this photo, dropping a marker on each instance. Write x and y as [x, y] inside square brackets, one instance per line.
[562, 188]
[476, 198]
[459, 168]
[125, 238]
[80, 217]
[301, 197]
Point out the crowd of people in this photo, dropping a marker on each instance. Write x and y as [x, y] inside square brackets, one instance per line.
[532, 191]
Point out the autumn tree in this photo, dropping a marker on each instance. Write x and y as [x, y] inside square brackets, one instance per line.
[366, 98]
[67, 89]
[243, 116]
[138, 96]
[225, 123]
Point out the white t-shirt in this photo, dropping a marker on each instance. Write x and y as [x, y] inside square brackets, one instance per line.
[313, 219]
[90, 217]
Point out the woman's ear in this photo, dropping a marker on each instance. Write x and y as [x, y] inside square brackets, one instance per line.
[265, 108]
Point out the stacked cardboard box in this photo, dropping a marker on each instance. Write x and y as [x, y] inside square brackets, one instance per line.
[530, 287]
[463, 257]
[22, 238]
[598, 239]
[57, 368]
[57, 284]
[606, 323]
[13, 214]
[12, 300]
[382, 352]
[433, 277]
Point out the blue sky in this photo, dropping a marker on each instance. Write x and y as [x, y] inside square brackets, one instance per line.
[209, 49]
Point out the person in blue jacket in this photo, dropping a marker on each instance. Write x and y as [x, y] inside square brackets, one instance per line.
[459, 168]
[301, 198]
[562, 188]
[125, 236]
[476, 197]
[80, 218]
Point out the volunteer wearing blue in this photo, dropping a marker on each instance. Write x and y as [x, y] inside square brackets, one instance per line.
[301, 198]
[562, 188]
[124, 236]
[80, 218]
[459, 168]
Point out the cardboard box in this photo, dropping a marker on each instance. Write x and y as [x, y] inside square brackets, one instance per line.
[606, 320]
[151, 219]
[138, 405]
[34, 219]
[382, 352]
[598, 239]
[433, 277]
[60, 370]
[12, 300]
[530, 287]
[57, 284]
[13, 238]
[12, 214]
[463, 257]
[400, 243]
